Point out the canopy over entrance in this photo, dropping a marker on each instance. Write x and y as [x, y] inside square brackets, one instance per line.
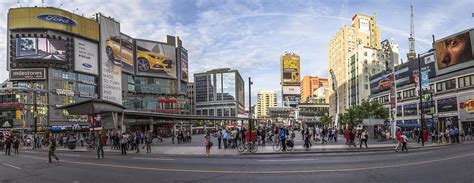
[93, 106]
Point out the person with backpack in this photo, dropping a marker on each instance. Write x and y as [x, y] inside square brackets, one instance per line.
[404, 141]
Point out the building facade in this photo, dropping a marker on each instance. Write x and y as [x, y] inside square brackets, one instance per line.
[290, 79]
[448, 87]
[314, 90]
[363, 31]
[265, 99]
[192, 101]
[219, 92]
[56, 58]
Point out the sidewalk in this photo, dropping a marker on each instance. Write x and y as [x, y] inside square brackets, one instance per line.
[195, 148]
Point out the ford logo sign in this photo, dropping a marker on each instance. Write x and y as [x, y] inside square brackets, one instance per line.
[86, 65]
[59, 19]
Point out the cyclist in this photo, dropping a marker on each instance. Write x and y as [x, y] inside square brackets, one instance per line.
[282, 136]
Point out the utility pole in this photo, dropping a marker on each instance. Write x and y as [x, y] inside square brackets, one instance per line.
[250, 109]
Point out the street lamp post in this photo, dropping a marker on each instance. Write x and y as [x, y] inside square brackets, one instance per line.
[250, 109]
[420, 91]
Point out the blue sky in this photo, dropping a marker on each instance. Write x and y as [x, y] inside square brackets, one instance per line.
[251, 35]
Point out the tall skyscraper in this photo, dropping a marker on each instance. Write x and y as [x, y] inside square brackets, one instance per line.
[290, 79]
[363, 31]
[314, 90]
[266, 99]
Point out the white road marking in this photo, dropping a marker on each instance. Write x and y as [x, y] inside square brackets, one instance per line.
[156, 159]
[72, 155]
[11, 166]
[277, 160]
[415, 153]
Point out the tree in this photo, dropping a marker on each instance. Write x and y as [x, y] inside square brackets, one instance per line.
[326, 119]
[366, 109]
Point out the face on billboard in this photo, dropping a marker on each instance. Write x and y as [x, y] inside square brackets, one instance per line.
[453, 50]
[155, 59]
[40, 49]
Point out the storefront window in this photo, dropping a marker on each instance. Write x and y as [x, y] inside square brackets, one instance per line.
[447, 105]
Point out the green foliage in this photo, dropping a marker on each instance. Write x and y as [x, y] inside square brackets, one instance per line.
[367, 109]
[326, 120]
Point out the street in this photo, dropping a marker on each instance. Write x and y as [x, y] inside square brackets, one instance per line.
[445, 164]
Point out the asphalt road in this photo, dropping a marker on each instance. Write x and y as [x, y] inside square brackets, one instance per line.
[451, 164]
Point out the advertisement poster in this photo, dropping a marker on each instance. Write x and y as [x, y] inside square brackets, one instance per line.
[466, 106]
[126, 53]
[155, 59]
[111, 76]
[291, 90]
[86, 58]
[184, 65]
[27, 74]
[30, 48]
[95, 122]
[364, 25]
[453, 50]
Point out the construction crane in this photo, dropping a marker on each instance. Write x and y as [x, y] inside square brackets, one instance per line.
[411, 55]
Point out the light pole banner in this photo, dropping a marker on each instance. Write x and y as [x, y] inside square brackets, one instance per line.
[425, 83]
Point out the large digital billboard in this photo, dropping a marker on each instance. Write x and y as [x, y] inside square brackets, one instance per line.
[290, 68]
[454, 52]
[155, 59]
[86, 58]
[32, 48]
[52, 18]
[111, 68]
[184, 65]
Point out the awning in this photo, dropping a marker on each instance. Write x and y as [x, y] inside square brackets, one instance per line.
[93, 106]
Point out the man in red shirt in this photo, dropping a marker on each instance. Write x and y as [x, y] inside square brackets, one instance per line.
[399, 139]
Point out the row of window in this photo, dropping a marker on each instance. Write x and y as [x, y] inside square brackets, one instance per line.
[231, 112]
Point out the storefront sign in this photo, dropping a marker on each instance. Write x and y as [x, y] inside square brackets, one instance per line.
[27, 74]
[6, 124]
[65, 92]
[11, 105]
[468, 106]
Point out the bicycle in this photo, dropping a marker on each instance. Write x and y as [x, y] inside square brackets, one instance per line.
[278, 147]
[250, 147]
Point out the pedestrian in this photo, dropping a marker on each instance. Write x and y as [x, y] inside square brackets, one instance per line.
[123, 143]
[8, 145]
[363, 138]
[52, 149]
[346, 136]
[173, 136]
[82, 140]
[225, 136]
[404, 141]
[263, 137]
[137, 142]
[16, 145]
[100, 147]
[282, 136]
[148, 141]
[219, 138]
[399, 139]
[208, 144]
[307, 137]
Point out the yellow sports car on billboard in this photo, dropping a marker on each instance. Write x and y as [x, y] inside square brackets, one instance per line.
[147, 60]
[114, 53]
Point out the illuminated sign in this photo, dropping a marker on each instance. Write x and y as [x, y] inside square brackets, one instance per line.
[27, 74]
[468, 106]
[65, 92]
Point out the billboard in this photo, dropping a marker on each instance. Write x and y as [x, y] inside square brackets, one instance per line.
[364, 24]
[155, 59]
[291, 90]
[405, 74]
[52, 18]
[184, 65]
[466, 106]
[32, 48]
[86, 58]
[290, 69]
[454, 52]
[120, 49]
[111, 69]
[27, 74]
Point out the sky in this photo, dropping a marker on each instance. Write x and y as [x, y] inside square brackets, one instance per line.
[251, 35]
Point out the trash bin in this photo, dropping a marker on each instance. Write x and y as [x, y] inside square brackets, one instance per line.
[71, 144]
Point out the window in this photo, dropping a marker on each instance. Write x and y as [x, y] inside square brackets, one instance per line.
[366, 86]
[466, 81]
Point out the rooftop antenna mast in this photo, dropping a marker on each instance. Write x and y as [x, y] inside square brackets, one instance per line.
[411, 40]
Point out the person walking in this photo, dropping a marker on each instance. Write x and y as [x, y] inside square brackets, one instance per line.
[100, 147]
[307, 137]
[137, 142]
[16, 145]
[82, 140]
[208, 144]
[148, 141]
[52, 149]
[363, 139]
[225, 136]
[404, 141]
[123, 143]
[8, 145]
[399, 139]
